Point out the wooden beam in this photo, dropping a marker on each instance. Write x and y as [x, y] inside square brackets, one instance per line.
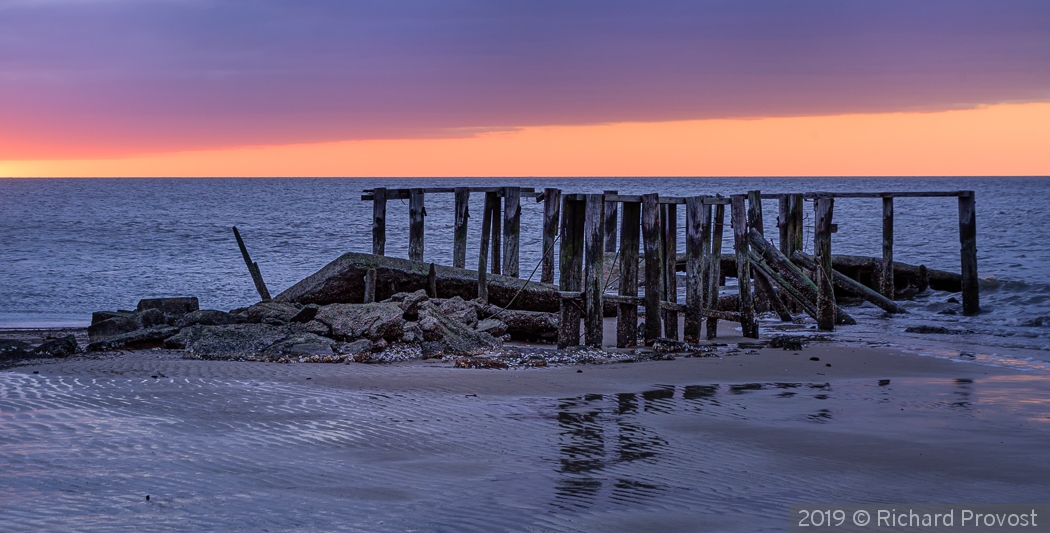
[627, 313]
[571, 266]
[693, 268]
[511, 230]
[714, 279]
[848, 284]
[379, 222]
[670, 292]
[495, 266]
[551, 213]
[416, 212]
[886, 285]
[253, 268]
[748, 324]
[459, 245]
[754, 220]
[593, 288]
[823, 210]
[491, 205]
[653, 265]
[899, 194]
[611, 209]
[968, 253]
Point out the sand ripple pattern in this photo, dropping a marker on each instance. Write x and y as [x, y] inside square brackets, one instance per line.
[215, 454]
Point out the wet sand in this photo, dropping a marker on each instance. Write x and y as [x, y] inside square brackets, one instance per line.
[695, 444]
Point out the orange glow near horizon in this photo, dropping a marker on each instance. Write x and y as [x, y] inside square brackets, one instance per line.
[1000, 140]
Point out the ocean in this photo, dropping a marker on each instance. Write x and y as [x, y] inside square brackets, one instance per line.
[72, 246]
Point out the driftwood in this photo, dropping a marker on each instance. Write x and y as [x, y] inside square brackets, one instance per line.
[848, 284]
[343, 281]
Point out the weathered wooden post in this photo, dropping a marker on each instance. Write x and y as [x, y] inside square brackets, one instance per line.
[379, 221]
[370, 285]
[670, 227]
[653, 265]
[593, 289]
[551, 212]
[416, 212]
[968, 252]
[253, 268]
[570, 278]
[511, 229]
[694, 247]
[491, 206]
[790, 223]
[496, 234]
[715, 273]
[705, 252]
[886, 287]
[748, 324]
[610, 224]
[627, 313]
[824, 208]
[459, 245]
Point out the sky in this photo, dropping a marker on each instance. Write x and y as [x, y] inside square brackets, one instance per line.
[538, 88]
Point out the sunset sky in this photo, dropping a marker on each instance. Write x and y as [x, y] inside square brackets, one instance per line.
[539, 88]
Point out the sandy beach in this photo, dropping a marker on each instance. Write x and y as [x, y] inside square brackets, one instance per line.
[721, 443]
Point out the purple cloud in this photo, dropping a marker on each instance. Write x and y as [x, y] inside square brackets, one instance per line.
[195, 73]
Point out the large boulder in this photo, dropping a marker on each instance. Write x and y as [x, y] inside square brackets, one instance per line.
[374, 321]
[274, 313]
[231, 340]
[110, 324]
[460, 310]
[170, 306]
[206, 317]
[135, 340]
[301, 344]
[525, 325]
[443, 335]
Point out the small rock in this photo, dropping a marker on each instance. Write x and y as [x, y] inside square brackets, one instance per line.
[410, 304]
[787, 342]
[301, 344]
[172, 307]
[374, 321]
[306, 314]
[492, 326]
[814, 359]
[360, 346]
[275, 313]
[14, 349]
[317, 328]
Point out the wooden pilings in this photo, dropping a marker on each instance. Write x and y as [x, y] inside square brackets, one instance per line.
[462, 213]
[669, 219]
[886, 286]
[495, 238]
[968, 253]
[416, 212]
[379, 221]
[823, 209]
[847, 284]
[551, 213]
[610, 224]
[748, 323]
[593, 286]
[253, 268]
[511, 229]
[627, 313]
[571, 266]
[653, 265]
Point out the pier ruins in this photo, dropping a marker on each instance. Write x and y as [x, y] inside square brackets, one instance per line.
[638, 235]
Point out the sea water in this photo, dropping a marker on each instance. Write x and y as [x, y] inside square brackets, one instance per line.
[72, 246]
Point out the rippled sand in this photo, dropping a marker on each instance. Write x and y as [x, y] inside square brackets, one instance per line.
[686, 445]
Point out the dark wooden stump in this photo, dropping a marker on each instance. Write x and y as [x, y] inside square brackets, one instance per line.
[886, 286]
[653, 265]
[694, 255]
[491, 205]
[253, 268]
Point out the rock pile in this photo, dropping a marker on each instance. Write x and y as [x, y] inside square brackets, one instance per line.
[405, 326]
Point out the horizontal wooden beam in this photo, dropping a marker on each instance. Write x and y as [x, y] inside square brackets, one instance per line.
[635, 198]
[404, 193]
[898, 194]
